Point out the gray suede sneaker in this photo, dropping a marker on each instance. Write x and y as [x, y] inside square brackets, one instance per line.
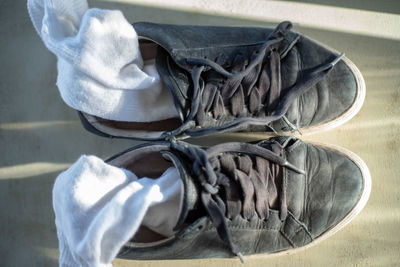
[280, 195]
[242, 79]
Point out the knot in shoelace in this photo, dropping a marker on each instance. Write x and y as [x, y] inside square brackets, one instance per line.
[245, 181]
[255, 85]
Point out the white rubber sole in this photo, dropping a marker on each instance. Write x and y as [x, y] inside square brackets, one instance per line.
[362, 201]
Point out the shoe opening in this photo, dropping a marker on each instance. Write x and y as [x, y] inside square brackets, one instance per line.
[147, 162]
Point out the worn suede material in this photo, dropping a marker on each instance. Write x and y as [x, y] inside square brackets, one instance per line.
[322, 103]
[330, 97]
[316, 202]
[186, 41]
[334, 185]
[329, 191]
[254, 236]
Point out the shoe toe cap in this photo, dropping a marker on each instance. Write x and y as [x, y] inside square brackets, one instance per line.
[337, 190]
[331, 97]
[335, 95]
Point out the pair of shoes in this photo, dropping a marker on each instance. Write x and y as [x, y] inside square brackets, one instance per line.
[275, 196]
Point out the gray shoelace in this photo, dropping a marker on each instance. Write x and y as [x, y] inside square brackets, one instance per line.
[257, 86]
[251, 190]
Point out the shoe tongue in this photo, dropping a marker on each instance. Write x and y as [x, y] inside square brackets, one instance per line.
[295, 183]
[191, 197]
[176, 80]
[177, 43]
[191, 200]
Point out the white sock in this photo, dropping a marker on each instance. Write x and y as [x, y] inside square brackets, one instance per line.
[100, 68]
[100, 207]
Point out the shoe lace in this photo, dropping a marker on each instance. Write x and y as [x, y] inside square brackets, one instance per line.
[255, 86]
[257, 89]
[249, 189]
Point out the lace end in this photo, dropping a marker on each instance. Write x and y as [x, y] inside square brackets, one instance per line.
[336, 60]
[300, 132]
[241, 258]
[291, 125]
[293, 168]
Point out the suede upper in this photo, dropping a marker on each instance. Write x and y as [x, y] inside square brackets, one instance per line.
[316, 202]
[249, 79]
[324, 101]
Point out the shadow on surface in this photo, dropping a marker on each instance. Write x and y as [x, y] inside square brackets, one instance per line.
[27, 222]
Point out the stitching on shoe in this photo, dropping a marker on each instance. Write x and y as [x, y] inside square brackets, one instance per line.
[287, 238]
